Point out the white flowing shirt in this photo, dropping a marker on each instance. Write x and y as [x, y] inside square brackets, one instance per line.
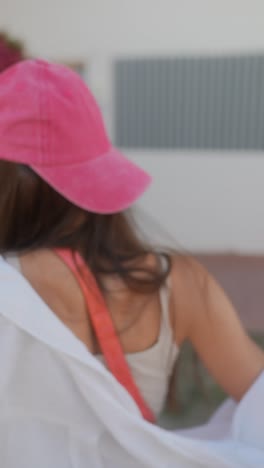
[60, 407]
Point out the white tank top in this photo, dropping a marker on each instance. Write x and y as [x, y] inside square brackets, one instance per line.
[151, 368]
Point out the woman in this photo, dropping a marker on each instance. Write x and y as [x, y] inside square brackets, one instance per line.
[64, 191]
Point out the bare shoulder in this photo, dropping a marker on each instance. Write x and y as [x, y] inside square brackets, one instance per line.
[188, 272]
[207, 318]
[190, 285]
[199, 303]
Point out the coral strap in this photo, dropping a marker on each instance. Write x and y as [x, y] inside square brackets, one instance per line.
[104, 328]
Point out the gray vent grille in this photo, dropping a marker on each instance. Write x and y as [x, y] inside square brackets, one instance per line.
[190, 103]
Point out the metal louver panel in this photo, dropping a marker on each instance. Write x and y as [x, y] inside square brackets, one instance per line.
[190, 103]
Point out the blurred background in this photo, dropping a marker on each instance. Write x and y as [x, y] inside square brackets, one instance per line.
[181, 87]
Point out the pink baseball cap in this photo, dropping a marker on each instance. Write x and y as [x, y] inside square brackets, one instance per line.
[50, 121]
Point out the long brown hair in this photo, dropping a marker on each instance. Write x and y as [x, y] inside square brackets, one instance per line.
[34, 216]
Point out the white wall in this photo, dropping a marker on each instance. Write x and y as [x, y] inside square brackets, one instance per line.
[85, 27]
[208, 201]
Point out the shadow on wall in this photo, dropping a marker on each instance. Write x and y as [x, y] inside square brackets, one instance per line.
[11, 51]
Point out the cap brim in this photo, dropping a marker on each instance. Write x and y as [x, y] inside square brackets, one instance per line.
[107, 184]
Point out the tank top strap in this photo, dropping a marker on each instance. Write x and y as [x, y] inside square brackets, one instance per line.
[165, 291]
